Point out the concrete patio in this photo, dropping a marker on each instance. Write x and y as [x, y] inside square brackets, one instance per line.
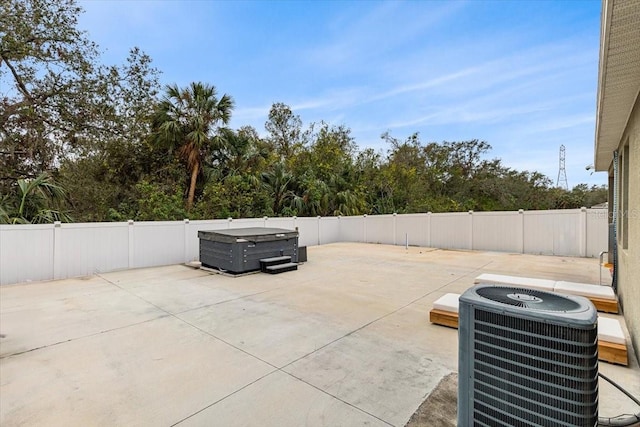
[343, 341]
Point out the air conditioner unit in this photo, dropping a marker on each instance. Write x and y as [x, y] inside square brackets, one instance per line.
[526, 358]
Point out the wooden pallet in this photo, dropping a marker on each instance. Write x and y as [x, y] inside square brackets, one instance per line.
[444, 318]
[613, 353]
[605, 305]
[607, 351]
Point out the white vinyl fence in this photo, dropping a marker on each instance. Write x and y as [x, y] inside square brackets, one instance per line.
[56, 251]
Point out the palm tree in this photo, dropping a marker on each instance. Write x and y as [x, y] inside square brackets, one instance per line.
[278, 182]
[37, 201]
[240, 153]
[187, 119]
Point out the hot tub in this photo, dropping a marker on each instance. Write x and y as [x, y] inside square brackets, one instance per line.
[240, 250]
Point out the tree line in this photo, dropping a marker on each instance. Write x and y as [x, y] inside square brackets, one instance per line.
[84, 141]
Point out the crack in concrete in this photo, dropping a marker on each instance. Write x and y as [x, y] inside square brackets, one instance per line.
[281, 369]
[276, 368]
[6, 356]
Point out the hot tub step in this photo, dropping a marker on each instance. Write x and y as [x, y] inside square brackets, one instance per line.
[277, 260]
[281, 268]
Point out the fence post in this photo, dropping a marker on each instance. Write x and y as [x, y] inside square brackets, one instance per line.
[471, 230]
[319, 228]
[583, 231]
[57, 250]
[264, 219]
[186, 241]
[521, 214]
[131, 245]
[395, 228]
[428, 227]
[364, 227]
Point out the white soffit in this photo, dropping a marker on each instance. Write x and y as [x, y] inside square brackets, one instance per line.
[619, 75]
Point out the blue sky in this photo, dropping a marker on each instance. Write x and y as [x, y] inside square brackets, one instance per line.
[520, 75]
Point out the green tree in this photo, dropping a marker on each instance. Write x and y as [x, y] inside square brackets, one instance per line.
[187, 120]
[583, 195]
[418, 177]
[60, 101]
[47, 64]
[154, 204]
[285, 131]
[278, 183]
[235, 196]
[34, 201]
[328, 180]
[454, 176]
[368, 178]
[240, 152]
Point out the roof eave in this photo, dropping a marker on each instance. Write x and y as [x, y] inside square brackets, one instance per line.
[601, 160]
[618, 76]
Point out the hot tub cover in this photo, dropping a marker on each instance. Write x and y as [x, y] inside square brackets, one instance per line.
[250, 234]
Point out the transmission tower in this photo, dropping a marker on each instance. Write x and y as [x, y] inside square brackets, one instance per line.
[562, 172]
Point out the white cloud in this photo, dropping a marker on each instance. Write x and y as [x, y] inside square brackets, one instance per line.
[354, 37]
[250, 113]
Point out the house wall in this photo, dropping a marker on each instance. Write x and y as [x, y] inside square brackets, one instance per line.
[628, 273]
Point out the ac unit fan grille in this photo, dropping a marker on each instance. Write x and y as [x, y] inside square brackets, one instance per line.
[522, 366]
[528, 298]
